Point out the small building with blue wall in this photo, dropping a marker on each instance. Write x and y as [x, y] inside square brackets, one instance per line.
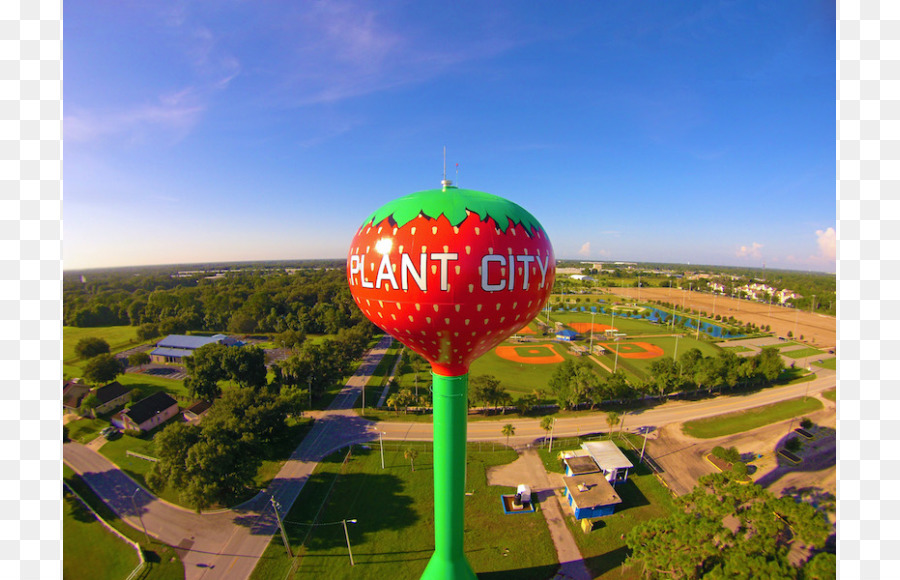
[567, 335]
[590, 495]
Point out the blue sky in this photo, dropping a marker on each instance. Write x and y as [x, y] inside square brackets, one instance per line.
[699, 132]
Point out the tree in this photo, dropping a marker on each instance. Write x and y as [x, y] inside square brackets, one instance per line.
[487, 390]
[138, 359]
[205, 370]
[147, 331]
[411, 453]
[292, 339]
[612, 419]
[91, 346]
[102, 369]
[547, 424]
[508, 430]
[88, 404]
[245, 365]
[770, 363]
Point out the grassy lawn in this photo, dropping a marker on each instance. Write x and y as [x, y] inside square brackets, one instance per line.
[736, 349]
[803, 352]
[643, 498]
[163, 562]
[830, 363]
[640, 368]
[394, 537]
[86, 430]
[782, 345]
[89, 549]
[741, 421]
[118, 337]
[830, 394]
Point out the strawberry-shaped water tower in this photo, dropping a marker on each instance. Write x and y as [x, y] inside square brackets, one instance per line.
[450, 273]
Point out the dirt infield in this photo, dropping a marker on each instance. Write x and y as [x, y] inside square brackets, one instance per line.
[541, 354]
[817, 329]
[585, 327]
[628, 350]
[525, 330]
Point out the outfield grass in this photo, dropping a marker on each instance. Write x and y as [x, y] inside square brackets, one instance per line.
[640, 368]
[520, 378]
[394, 536]
[803, 352]
[90, 551]
[162, 562]
[741, 421]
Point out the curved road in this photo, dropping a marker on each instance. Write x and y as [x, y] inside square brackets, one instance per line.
[228, 543]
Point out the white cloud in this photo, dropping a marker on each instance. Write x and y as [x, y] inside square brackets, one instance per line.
[585, 249]
[751, 251]
[827, 241]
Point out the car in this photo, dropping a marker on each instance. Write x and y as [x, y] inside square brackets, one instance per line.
[109, 432]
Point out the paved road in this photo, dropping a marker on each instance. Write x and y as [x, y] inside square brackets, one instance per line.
[227, 544]
[528, 430]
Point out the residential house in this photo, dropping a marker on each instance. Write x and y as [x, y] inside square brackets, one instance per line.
[73, 392]
[196, 411]
[148, 413]
[111, 396]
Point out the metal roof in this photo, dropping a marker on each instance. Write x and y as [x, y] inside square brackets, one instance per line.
[183, 341]
[607, 455]
[176, 352]
[567, 332]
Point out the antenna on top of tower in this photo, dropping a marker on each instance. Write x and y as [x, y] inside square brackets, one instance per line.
[445, 182]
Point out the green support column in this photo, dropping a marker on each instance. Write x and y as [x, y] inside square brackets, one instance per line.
[449, 395]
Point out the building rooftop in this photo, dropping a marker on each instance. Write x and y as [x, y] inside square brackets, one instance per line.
[607, 455]
[150, 406]
[188, 342]
[581, 464]
[591, 490]
[176, 352]
[113, 390]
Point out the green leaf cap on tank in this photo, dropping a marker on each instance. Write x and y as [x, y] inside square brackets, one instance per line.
[453, 204]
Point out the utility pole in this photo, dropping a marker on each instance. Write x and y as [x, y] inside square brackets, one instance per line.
[592, 332]
[552, 426]
[309, 388]
[347, 535]
[644, 429]
[287, 545]
[381, 441]
[138, 512]
[616, 365]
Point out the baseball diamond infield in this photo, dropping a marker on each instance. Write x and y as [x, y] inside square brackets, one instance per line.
[585, 327]
[635, 349]
[538, 354]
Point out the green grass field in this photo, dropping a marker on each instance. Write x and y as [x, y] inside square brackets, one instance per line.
[741, 421]
[119, 338]
[736, 349]
[90, 551]
[640, 368]
[803, 352]
[394, 536]
[162, 562]
[830, 394]
[830, 363]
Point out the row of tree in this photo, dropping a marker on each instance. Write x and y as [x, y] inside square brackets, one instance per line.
[576, 383]
[312, 301]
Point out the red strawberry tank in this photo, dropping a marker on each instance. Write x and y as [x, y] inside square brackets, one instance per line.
[450, 273]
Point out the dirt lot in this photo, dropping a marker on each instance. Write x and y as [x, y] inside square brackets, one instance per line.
[817, 329]
[682, 457]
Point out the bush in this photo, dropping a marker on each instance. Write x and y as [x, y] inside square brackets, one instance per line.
[65, 434]
[806, 423]
[91, 346]
[793, 445]
[133, 432]
[739, 468]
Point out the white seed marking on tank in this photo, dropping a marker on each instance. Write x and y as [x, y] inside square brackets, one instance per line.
[435, 307]
[466, 322]
[468, 250]
[411, 319]
[478, 307]
[456, 306]
[428, 319]
[413, 230]
[477, 231]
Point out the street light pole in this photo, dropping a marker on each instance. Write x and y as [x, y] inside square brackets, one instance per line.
[616, 365]
[140, 517]
[644, 429]
[287, 545]
[347, 535]
[381, 441]
[309, 388]
[592, 332]
[552, 426]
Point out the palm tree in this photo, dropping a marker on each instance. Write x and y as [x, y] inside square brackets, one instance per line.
[547, 424]
[612, 419]
[508, 430]
[411, 453]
